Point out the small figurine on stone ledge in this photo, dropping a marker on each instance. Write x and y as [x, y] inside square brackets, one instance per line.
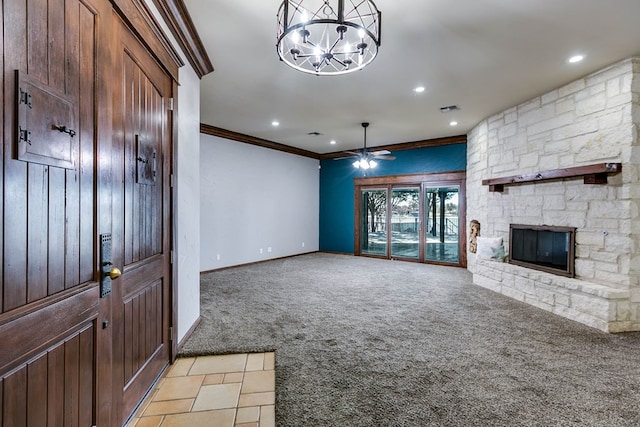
[475, 232]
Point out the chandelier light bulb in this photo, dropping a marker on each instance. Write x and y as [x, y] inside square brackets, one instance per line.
[373, 164]
[356, 164]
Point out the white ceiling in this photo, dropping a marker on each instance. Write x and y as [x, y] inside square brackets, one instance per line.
[482, 55]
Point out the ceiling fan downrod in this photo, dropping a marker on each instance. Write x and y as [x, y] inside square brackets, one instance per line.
[365, 125]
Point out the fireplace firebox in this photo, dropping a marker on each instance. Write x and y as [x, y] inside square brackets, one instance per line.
[545, 248]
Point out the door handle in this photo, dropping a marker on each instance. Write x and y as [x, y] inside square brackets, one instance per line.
[114, 273]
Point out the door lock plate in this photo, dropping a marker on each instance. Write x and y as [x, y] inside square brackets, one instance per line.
[105, 265]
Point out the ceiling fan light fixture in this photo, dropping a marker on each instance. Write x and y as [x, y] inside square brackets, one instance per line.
[328, 37]
[366, 159]
[365, 164]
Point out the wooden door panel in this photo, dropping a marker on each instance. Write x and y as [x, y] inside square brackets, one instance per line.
[142, 328]
[55, 388]
[49, 211]
[142, 125]
[50, 305]
[26, 334]
[141, 222]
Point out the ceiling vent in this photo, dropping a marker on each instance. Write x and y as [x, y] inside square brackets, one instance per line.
[449, 109]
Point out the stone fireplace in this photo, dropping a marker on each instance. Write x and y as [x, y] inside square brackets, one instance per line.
[589, 122]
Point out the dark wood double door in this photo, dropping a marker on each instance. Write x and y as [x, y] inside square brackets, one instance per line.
[86, 157]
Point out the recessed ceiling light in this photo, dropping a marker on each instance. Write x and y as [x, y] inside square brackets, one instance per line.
[275, 123]
[576, 58]
[332, 142]
[453, 123]
[419, 89]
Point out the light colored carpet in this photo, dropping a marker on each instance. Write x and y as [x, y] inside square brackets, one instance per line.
[368, 342]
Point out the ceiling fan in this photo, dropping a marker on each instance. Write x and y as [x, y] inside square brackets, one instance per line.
[367, 159]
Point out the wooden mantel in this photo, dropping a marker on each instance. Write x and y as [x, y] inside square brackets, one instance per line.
[592, 174]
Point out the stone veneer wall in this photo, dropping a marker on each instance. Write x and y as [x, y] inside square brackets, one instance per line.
[592, 120]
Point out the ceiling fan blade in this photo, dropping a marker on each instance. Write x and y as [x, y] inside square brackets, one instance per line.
[348, 154]
[380, 152]
[384, 157]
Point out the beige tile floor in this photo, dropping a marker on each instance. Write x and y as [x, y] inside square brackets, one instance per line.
[236, 390]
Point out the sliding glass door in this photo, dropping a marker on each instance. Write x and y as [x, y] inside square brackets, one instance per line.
[405, 223]
[442, 218]
[412, 217]
[373, 222]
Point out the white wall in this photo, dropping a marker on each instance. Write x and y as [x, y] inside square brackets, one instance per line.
[254, 198]
[187, 191]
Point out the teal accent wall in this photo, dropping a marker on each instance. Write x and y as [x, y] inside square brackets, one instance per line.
[337, 190]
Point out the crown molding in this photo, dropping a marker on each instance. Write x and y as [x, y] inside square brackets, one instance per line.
[247, 139]
[139, 18]
[175, 14]
[435, 142]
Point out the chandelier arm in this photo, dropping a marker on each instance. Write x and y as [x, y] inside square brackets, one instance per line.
[309, 42]
[334, 45]
[339, 61]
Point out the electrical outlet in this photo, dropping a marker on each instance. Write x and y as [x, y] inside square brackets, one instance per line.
[303, 244]
[218, 257]
[260, 250]
[269, 249]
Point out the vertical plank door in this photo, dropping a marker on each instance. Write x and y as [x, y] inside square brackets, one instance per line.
[141, 221]
[54, 66]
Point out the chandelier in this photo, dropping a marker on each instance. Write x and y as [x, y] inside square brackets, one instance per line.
[328, 37]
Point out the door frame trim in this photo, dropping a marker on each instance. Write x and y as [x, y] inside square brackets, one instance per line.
[173, 230]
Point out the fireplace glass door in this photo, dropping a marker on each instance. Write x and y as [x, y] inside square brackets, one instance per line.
[541, 247]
